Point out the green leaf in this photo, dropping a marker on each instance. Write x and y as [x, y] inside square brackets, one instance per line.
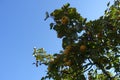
[108, 67]
[67, 5]
[47, 16]
[51, 25]
[84, 21]
[65, 42]
[108, 3]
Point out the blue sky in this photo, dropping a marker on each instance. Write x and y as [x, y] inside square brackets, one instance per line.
[22, 27]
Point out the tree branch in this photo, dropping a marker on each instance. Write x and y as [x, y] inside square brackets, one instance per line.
[104, 71]
[90, 63]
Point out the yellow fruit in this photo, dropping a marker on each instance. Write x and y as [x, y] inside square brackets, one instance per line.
[83, 48]
[69, 63]
[67, 49]
[66, 52]
[64, 20]
[65, 59]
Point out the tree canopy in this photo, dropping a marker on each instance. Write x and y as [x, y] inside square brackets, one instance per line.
[91, 47]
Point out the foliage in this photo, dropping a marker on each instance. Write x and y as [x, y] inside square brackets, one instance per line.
[91, 47]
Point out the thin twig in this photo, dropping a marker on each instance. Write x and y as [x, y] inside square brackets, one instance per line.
[104, 71]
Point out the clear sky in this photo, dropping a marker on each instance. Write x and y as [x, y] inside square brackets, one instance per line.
[22, 27]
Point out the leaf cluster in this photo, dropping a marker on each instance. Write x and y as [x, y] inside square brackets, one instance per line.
[86, 44]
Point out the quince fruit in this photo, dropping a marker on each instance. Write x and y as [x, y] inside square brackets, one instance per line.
[83, 48]
[64, 20]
